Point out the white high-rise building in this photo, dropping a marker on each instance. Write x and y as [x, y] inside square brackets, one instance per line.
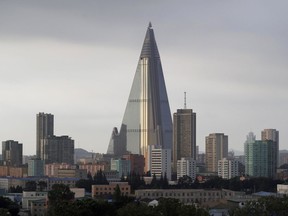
[186, 167]
[159, 161]
[228, 169]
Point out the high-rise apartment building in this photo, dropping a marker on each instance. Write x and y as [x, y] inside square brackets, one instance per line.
[272, 134]
[44, 129]
[216, 149]
[147, 119]
[58, 149]
[184, 135]
[260, 157]
[186, 167]
[159, 161]
[228, 169]
[12, 153]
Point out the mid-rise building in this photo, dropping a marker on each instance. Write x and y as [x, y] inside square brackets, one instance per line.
[36, 167]
[159, 161]
[58, 149]
[12, 153]
[228, 169]
[184, 135]
[137, 162]
[44, 129]
[122, 166]
[186, 167]
[216, 149]
[260, 157]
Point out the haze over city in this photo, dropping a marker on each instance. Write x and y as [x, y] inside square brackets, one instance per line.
[77, 59]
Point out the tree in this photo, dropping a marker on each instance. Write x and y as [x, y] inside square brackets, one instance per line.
[30, 186]
[84, 183]
[59, 193]
[12, 207]
[89, 176]
[136, 209]
[117, 194]
[100, 178]
[42, 185]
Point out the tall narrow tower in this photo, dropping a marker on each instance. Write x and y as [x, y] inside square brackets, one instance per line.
[147, 119]
[44, 129]
[184, 134]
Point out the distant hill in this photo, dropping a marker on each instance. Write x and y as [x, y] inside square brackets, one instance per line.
[82, 153]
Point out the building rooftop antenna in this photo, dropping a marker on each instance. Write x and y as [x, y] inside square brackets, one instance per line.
[185, 107]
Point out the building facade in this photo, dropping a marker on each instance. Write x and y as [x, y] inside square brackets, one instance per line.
[186, 167]
[122, 166]
[273, 135]
[159, 162]
[137, 163]
[216, 149]
[36, 167]
[147, 118]
[58, 149]
[228, 169]
[12, 153]
[44, 129]
[184, 135]
[108, 190]
[187, 196]
[260, 157]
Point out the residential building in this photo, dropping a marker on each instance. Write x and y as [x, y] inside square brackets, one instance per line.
[147, 118]
[216, 149]
[122, 166]
[58, 149]
[36, 167]
[228, 168]
[186, 167]
[44, 129]
[137, 163]
[260, 157]
[184, 135]
[12, 153]
[159, 161]
[273, 135]
[18, 172]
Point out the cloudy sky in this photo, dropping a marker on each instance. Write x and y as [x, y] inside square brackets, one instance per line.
[77, 59]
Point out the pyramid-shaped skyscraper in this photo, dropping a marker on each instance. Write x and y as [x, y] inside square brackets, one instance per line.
[147, 119]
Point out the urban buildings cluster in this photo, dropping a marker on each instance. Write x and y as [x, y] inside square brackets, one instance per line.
[148, 139]
[148, 142]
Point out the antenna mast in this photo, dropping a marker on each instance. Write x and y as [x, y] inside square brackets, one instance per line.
[185, 107]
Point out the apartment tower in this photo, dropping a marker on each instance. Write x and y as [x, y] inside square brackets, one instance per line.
[184, 135]
[44, 129]
[216, 149]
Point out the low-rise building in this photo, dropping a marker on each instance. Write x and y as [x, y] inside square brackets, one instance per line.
[186, 195]
[108, 190]
[29, 196]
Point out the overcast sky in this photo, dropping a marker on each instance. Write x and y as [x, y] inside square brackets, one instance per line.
[77, 59]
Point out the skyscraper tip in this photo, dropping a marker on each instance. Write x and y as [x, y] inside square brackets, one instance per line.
[150, 25]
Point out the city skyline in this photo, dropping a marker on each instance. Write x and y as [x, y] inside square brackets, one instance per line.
[77, 62]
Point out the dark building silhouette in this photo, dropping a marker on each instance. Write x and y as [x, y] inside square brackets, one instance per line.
[44, 129]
